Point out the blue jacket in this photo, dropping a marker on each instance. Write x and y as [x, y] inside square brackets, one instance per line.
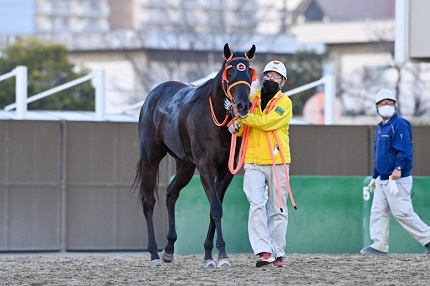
[393, 147]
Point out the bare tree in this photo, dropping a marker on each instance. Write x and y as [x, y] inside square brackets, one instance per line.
[406, 80]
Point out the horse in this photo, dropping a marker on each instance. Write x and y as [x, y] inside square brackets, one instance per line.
[183, 121]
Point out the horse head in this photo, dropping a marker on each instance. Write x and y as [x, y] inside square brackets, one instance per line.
[237, 78]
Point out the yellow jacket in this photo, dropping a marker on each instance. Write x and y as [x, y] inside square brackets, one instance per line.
[260, 123]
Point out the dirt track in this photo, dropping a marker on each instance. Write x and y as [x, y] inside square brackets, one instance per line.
[133, 269]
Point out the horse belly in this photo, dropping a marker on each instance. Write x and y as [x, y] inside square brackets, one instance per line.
[170, 113]
[169, 129]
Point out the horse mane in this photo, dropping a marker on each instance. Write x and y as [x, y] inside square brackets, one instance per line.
[203, 91]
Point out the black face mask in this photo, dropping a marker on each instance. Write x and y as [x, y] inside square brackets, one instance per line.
[270, 87]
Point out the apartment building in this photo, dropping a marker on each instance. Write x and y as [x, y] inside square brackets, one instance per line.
[75, 16]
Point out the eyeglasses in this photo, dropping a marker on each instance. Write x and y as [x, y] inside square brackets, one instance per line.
[385, 102]
[272, 75]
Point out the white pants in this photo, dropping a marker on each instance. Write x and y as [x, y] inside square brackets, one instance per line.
[267, 225]
[400, 206]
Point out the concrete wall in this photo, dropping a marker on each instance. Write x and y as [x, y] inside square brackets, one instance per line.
[64, 185]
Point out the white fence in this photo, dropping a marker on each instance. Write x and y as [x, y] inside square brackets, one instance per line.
[21, 100]
[99, 76]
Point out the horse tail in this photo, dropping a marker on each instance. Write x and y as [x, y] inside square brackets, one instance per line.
[137, 182]
[137, 178]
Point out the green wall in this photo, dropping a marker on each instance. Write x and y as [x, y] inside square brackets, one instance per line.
[332, 216]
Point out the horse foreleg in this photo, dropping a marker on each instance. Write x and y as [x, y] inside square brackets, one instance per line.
[209, 245]
[220, 243]
[215, 183]
[224, 180]
[215, 225]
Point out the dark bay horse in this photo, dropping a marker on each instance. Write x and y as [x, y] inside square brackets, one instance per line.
[184, 121]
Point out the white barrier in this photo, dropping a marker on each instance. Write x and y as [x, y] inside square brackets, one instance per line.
[329, 83]
[21, 91]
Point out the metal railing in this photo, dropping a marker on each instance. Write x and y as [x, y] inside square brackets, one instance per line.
[22, 101]
[329, 83]
[20, 72]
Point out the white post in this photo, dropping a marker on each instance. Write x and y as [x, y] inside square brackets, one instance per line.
[329, 96]
[100, 95]
[401, 39]
[21, 92]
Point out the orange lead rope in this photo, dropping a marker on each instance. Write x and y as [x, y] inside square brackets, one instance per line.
[276, 171]
[242, 151]
[214, 117]
[243, 146]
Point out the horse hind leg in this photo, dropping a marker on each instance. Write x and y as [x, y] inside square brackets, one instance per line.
[184, 173]
[148, 178]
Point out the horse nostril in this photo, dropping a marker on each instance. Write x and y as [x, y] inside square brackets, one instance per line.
[243, 106]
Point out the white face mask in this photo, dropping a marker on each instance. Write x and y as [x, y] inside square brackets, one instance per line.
[386, 110]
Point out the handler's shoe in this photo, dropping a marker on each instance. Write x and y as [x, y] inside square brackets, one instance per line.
[371, 251]
[427, 246]
[264, 259]
[279, 262]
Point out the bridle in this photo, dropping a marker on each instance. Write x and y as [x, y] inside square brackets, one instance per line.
[226, 86]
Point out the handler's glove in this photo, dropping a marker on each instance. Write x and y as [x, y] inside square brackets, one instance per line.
[392, 186]
[228, 105]
[232, 110]
[372, 185]
[234, 128]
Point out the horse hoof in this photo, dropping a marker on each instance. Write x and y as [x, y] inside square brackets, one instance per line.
[156, 263]
[223, 263]
[209, 263]
[168, 258]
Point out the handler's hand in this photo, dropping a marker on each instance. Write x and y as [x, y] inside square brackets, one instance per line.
[392, 186]
[234, 128]
[228, 105]
[396, 174]
[372, 185]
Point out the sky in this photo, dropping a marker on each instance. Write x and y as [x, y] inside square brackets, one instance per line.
[17, 17]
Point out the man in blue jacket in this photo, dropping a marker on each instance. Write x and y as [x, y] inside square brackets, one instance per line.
[392, 180]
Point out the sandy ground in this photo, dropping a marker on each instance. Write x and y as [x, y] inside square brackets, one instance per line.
[134, 269]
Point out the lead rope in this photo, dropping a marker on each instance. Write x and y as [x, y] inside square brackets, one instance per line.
[276, 170]
[243, 145]
[287, 171]
[215, 120]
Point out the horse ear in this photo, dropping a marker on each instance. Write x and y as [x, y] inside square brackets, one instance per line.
[227, 52]
[251, 52]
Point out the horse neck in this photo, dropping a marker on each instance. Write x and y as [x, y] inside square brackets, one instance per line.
[217, 94]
